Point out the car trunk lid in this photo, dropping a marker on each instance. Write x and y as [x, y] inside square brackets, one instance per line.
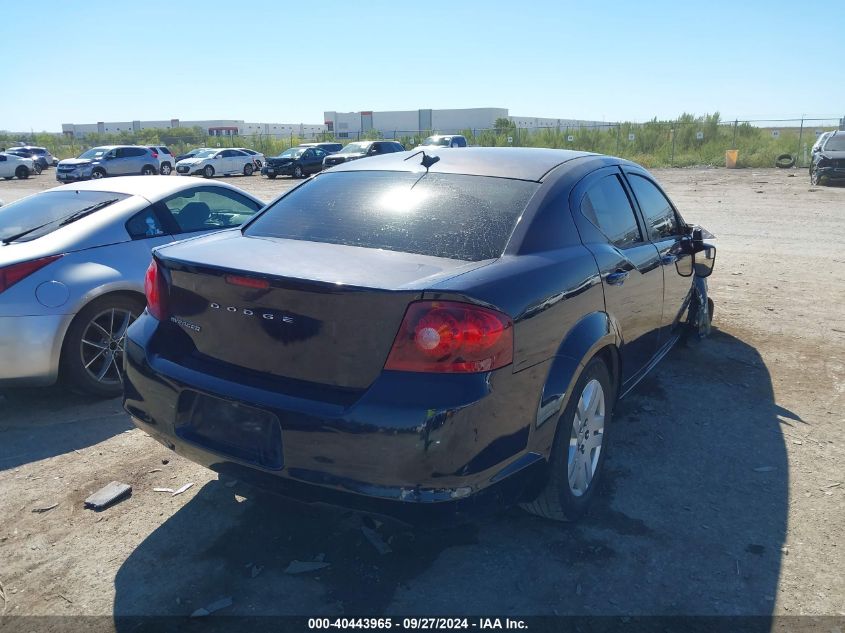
[309, 311]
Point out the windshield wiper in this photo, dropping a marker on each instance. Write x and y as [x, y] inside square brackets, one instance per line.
[71, 218]
[17, 236]
[86, 211]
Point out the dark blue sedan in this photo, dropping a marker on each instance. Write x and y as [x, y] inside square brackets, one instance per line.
[422, 335]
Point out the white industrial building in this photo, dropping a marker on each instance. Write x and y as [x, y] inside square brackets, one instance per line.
[390, 124]
[404, 122]
[220, 127]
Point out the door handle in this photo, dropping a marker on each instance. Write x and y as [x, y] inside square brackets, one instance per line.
[617, 278]
[667, 260]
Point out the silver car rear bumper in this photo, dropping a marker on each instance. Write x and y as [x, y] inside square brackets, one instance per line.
[30, 347]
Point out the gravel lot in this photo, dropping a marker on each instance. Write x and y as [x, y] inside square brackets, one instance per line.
[725, 494]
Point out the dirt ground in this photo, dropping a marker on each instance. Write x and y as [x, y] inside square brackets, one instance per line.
[725, 494]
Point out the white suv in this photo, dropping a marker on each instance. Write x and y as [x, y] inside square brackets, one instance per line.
[166, 160]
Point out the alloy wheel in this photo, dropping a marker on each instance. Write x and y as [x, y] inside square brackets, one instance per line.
[585, 441]
[102, 345]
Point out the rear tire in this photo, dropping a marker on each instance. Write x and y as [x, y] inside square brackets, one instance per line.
[248, 169]
[580, 448]
[92, 352]
[22, 173]
[149, 170]
[208, 171]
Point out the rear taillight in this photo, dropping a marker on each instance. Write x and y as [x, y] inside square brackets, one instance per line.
[10, 275]
[451, 337]
[155, 287]
[155, 154]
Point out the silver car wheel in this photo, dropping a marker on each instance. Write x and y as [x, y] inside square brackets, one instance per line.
[165, 170]
[585, 440]
[102, 345]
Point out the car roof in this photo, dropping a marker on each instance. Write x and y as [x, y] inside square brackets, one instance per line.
[521, 163]
[144, 186]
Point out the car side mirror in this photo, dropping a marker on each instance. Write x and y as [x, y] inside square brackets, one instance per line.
[704, 261]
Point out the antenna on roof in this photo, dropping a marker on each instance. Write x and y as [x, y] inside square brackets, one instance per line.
[427, 161]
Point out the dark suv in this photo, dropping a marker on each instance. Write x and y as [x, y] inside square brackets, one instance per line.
[421, 338]
[829, 159]
[362, 149]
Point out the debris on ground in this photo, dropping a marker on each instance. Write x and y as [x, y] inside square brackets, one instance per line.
[45, 508]
[182, 489]
[376, 540]
[3, 596]
[303, 567]
[173, 492]
[108, 494]
[208, 609]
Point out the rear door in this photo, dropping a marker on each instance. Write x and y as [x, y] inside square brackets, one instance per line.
[665, 229]
[629, 264]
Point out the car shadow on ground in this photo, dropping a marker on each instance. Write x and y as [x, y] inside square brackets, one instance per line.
[43, 422]
[691, 520]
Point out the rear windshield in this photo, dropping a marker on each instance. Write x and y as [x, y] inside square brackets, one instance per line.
[37, 215]
[443, 215]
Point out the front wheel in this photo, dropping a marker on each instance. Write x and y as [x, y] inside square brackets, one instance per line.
[815, 178]
[92, 354]
[297, 172]
[166, 169]
[580, 448]
[271, 176]
[248, 169]
[208, 171]
[97, 174]
[22, 173]
[38, 169]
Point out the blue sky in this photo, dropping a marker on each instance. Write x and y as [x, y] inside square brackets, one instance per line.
[90, 60]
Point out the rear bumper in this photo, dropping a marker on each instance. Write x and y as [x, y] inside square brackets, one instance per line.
[419, 449]
[30, 347]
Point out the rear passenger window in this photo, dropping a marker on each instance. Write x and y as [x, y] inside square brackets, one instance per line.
[144, 225]
[207, 209]
[607, 206]
[659, 214]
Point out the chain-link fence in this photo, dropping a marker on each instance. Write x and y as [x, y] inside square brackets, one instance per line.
[685, 141]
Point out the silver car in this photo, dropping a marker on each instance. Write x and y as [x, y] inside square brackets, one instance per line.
[72, 265]
[108, 160]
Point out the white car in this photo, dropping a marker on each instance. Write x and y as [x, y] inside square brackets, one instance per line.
[258, 157]
[166, 160]
[217, 162]
[12, 166]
